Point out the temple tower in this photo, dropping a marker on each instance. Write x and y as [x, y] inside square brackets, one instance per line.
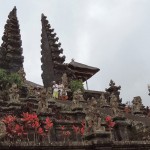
[52, 63]
[11, 57]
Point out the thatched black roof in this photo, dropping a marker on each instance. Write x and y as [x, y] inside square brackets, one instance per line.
[82, 71]
[82, 66]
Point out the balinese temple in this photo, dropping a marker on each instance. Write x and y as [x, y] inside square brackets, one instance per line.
[53, 65]
[31, 118]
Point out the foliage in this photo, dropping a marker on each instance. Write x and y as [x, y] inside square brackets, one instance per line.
[75, 85]
[19, 128]
[9, 78]
[15, 78]
[3, 75]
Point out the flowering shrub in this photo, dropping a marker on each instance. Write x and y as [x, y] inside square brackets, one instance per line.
[109, 122]
[20, 127]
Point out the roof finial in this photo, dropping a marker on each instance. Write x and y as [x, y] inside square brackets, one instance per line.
[72, 60]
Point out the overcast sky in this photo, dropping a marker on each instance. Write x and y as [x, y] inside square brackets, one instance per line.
[113, 35]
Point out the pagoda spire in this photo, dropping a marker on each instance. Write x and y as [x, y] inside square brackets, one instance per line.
[11, 57]
[52, 63]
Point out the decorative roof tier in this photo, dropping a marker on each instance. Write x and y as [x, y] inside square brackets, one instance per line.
[82, 71]
[52, 62]
[11, 57]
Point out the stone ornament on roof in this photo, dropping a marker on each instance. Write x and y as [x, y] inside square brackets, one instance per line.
[137, 104]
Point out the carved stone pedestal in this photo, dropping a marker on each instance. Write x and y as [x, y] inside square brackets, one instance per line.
[120, 130]
[98, 136]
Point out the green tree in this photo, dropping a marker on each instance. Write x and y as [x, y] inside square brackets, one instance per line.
[75, 85]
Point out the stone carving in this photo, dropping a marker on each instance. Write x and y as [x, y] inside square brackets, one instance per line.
[33, 91]
[49, 93]
[93, 118]
[137, 104]
[2, 129]
[103, 101]
[43, 103]
[80, 95]
[14, 93]
[65, 80]
[22, 74]
[78, 98]
[114, 104]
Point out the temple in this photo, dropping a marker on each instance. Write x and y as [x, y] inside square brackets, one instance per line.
[53, 65]
[32, 117]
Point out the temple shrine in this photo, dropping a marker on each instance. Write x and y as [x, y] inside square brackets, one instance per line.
[33, 117]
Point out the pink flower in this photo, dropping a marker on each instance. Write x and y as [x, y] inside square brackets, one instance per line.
[108, 118]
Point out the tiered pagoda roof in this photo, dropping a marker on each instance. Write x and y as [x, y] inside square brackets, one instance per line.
[11, 57]
[52, 62]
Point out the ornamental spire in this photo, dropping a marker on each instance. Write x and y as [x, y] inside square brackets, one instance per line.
[11, 57]
[52, 62]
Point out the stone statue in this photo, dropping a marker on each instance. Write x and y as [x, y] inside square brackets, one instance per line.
[43, 103]
[80, 95]
[13, 93]
[137, 104]
[22, 74]
[98, 121]
[89, 124]
[77, 99]
[92, 119]
[33, 91]
[103, 101]
[49, 93]
[114, 104]
[65, 80]
[2, 130]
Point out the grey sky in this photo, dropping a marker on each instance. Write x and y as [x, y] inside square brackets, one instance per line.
[112, 35]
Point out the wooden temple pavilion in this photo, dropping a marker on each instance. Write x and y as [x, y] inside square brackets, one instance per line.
[82, 71]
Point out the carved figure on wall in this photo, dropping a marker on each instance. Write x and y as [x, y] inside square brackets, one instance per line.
[114, 104]
[43, 103]
[22, 74]
[34, 91]
[65, 80]
[89, 125]
[98, 126]
[31, 91]
[137, 104]
[2, 130]
[93, 118]
[103, 100]
[49, 93]
[77, 98]
[14, 93]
